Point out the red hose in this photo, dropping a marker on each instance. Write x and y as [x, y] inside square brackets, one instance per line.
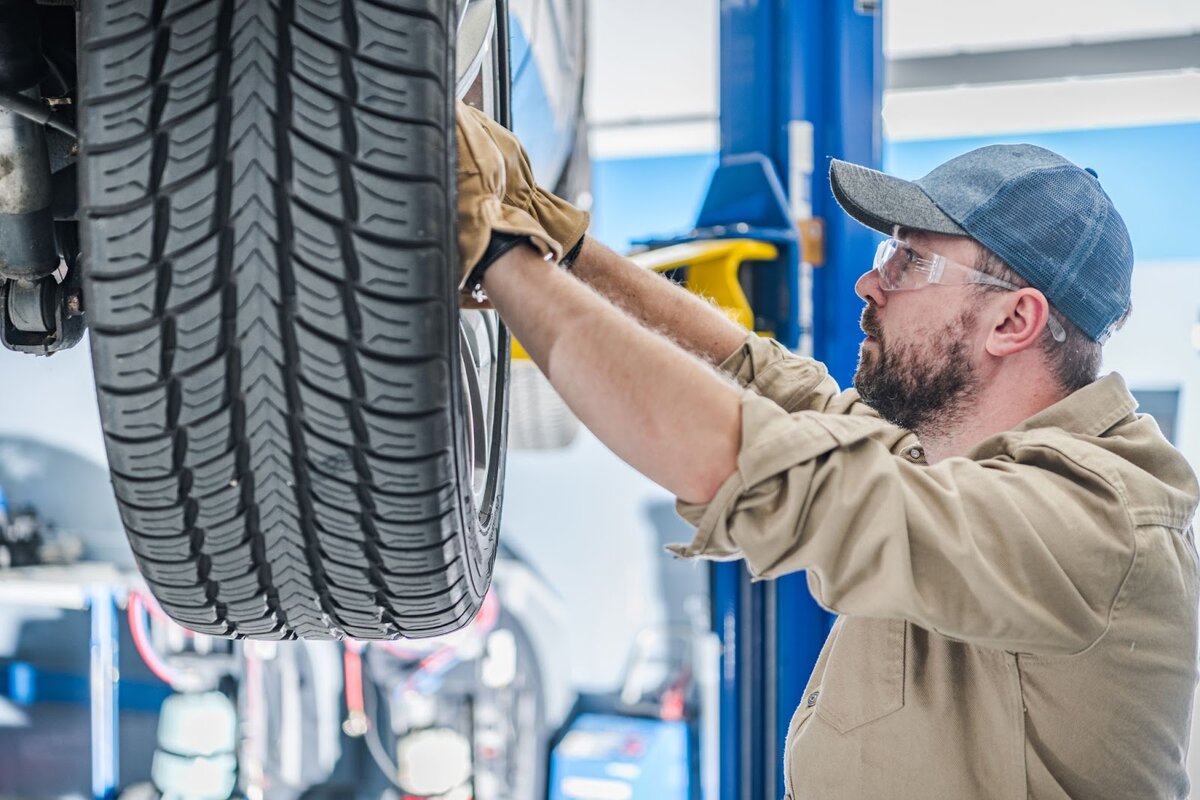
[137, 611]
[352, 664]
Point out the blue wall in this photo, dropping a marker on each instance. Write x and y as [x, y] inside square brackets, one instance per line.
[1152, 174]
[640, 197]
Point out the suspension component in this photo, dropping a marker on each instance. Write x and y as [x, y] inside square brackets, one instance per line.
[41, 299]
[43, 315]
[27, 246]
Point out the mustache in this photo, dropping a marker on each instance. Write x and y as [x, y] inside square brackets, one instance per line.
[870, 323]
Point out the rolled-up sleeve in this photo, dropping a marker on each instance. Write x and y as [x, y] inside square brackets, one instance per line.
[796, 383]
[772, 443]
[984, 551]
[769, 368]
[766, 367]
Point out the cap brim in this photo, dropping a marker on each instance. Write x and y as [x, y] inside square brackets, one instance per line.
[882, 202]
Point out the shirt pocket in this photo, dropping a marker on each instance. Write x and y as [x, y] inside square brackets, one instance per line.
[864, 680]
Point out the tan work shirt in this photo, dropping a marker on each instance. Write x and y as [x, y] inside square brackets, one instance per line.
[1020, 622]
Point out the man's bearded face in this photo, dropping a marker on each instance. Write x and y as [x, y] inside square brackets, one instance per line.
[923, 386]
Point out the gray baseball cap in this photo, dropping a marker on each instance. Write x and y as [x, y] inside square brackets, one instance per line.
[1044, 216]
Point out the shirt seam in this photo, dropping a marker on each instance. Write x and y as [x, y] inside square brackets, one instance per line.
[1075, 418]
[1020, 739]
[1120, 596]
[1173, 522]
[1104, 423]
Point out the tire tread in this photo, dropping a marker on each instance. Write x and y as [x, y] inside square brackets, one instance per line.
[265, 211]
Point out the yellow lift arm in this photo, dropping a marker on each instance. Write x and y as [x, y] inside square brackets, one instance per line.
[712, 271]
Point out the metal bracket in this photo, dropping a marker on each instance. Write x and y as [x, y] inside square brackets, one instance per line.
[42, 316]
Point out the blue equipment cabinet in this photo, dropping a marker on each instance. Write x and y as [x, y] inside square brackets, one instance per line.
[617, 757]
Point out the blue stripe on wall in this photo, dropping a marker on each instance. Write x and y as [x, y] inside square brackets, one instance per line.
[640, 197]
[1151, 173]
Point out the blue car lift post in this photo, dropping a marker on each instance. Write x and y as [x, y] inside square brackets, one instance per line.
[801, 82]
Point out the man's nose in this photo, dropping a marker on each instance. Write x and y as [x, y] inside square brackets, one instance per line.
[867, 287]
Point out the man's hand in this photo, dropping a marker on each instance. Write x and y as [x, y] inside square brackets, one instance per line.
[482, 213]
[565, 223]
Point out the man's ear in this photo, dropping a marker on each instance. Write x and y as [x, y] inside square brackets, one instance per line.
[1020, 319]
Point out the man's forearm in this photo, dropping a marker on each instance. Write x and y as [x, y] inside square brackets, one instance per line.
[691, 322]
[638, 392]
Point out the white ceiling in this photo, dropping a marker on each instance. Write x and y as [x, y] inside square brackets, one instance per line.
[1119, 101]
[915, 28]
[649, 59]
[657, 60]
[938, 27]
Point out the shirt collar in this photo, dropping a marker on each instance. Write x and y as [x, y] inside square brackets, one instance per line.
[1089, 411]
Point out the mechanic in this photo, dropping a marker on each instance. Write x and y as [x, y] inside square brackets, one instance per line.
[1008, 546]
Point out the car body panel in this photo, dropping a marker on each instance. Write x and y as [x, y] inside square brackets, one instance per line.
[546, 46]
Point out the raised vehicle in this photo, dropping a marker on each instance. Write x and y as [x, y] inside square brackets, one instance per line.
[249, 205]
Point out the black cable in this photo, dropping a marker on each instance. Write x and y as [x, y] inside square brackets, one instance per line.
[38, 112]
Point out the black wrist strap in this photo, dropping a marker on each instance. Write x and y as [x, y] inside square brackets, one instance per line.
[569, 259]
[499, 244]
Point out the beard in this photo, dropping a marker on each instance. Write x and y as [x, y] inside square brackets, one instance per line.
[926, 389]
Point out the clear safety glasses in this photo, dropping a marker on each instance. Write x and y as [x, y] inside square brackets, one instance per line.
[901, 269]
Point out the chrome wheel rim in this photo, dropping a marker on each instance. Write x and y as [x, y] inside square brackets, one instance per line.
[481, 339]
[476, 30]
[480, 344]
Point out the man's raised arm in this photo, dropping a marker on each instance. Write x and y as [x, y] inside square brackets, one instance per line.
[693, 323]
[636, 390]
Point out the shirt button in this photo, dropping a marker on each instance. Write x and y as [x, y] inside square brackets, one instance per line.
[914, 453]
[812, 698]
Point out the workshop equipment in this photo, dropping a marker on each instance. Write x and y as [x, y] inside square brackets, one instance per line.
[619, 757]
[40, 293]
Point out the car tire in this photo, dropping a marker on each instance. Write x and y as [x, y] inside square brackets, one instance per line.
[306, 437]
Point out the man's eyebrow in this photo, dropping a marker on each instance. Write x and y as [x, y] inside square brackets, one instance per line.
[905, 235]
